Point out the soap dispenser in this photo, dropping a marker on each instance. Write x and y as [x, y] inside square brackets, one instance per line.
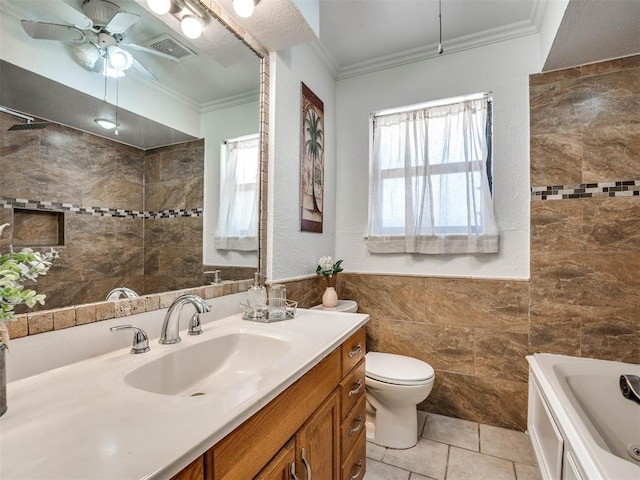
[257, 297]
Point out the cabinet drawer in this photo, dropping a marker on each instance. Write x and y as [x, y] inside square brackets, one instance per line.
[353, 426]
[352, 388]
[353, 350]
[355, 466]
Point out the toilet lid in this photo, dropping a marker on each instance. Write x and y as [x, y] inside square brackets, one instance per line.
[397, 369]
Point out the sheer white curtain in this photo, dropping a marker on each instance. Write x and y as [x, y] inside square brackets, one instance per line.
[429, 185]
[237, 227]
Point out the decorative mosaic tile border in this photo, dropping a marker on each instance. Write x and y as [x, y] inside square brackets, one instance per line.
[10, 202]
[626, 188]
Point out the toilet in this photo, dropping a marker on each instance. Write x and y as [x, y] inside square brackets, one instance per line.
[349, 306]
[395, 385]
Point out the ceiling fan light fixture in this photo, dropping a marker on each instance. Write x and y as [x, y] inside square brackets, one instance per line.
[159, 7]
[87, 54]
[244, 8]
[105, 123]
[119, 59]
[191, 26]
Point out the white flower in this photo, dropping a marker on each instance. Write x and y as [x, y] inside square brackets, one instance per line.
[326, 263]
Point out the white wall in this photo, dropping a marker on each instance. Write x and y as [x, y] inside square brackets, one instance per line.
[290, 252]
[217, 126]
[501, 68]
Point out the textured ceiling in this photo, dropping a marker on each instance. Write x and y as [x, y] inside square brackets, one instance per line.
[595, 30]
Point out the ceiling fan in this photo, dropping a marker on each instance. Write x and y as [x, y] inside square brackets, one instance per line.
[97, 34]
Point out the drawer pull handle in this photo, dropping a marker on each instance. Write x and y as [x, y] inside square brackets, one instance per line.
[356, 351]
[357, 428]
[356, 390]
[357, 474]
[293, 471]
[306, 463]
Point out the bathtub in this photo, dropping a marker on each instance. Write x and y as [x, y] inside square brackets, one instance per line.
[581, 427]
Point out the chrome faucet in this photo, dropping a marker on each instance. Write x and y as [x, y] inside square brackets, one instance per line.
[140, 339]
[171, 325]
[125, 292]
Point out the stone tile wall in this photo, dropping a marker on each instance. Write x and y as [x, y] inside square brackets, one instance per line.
[585, 252]
[105, 189]
[60, 164]
[473, 332]
[174, 179]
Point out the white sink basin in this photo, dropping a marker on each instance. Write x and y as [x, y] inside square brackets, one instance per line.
[238, 360]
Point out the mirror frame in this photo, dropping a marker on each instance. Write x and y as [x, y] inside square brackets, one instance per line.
[41, 321]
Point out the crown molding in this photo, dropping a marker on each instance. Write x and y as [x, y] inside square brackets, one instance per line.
[325, 57]
[467, 42]
[538, 11]
[232, 101]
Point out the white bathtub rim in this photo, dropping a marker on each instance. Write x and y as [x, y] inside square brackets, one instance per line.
[596, 462]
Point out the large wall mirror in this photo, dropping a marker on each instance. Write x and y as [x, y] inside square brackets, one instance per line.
[168, 195]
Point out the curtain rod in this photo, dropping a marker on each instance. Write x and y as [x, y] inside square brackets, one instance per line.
[433, 103]
[240, 139]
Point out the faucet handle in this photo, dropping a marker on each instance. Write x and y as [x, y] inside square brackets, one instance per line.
[195, 328]
[140, 339]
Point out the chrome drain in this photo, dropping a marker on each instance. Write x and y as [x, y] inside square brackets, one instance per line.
[197, 394]
[634, 451]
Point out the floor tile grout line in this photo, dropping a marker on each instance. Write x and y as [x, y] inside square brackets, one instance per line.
[446, 467]
[456, 446]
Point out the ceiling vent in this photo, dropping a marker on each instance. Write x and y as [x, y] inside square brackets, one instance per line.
[170, 46]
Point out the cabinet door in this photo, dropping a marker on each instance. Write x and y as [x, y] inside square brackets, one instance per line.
[318, 443]
[283, 465]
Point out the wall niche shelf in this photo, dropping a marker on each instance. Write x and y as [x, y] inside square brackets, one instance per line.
[37, 228]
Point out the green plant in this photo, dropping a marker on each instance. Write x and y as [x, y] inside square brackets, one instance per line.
[15, 269]
[327, 268]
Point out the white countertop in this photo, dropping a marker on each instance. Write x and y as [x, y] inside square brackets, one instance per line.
[83, 421]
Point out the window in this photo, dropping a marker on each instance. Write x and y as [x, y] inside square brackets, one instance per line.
[430, 171]
[237, 227]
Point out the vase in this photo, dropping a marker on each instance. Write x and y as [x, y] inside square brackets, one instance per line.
[330, 297]
[3, 380]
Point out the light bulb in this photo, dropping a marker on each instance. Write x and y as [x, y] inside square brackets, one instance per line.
[191, 26]
[244, 8]
[159, 7]
[118, 58]
[106, 124]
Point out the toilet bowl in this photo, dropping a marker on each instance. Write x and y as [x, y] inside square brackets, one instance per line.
[395, 384]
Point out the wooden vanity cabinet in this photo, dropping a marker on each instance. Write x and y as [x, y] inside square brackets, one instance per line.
[282, 466]
[353, 405]
[318, 423]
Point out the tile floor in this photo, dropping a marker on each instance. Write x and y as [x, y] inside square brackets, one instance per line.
[453, 449]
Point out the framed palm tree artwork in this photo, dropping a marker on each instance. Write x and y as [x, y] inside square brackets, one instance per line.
[311, 162]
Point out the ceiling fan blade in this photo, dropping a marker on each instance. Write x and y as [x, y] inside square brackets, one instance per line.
[66, 12]
[52, 31]
[120, 22]
[140, 48]
[142, 70]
